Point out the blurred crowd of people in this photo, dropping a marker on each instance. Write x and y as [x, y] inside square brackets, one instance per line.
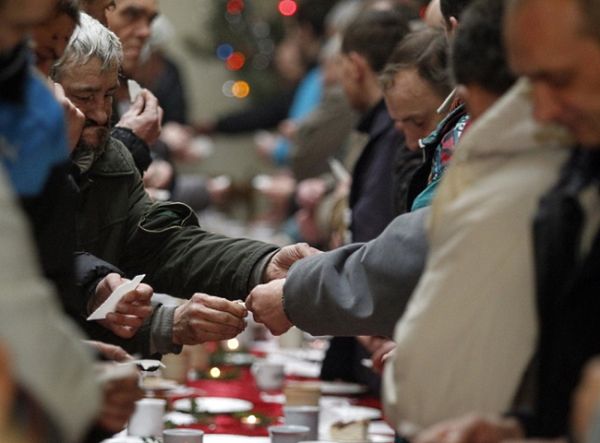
[436, 178]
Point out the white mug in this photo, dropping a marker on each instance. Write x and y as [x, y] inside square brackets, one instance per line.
[288, 433]
[183, 436]
[304, 416]
[269, 376]
[147, 419]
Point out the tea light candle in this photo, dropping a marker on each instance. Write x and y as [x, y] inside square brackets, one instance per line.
[215, 372]
[233, 344]
[250, 420]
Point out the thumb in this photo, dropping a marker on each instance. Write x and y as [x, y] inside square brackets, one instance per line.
[113, 280]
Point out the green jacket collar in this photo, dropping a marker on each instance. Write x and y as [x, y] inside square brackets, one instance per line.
[114, 162]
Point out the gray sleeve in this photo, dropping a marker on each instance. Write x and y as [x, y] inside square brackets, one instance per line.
[359, 289]
[161, 331]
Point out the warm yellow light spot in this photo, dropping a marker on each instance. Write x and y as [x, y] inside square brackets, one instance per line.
[215, 372]
[250, 420]
[240, 89]
[233, 344]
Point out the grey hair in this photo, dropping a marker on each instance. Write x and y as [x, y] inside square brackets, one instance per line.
[90, 40]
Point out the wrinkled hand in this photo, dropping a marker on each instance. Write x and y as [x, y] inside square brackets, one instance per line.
[179, 140]
[310, 192]
[110, 352]
[206, 318]
[382, 354]
[281, 262]
[308, 226]
[380, 348]
[131, 311]
[266, 304]
[144, 117]
[472, 429]
[159, 175]
[75, 119]
[119, 402]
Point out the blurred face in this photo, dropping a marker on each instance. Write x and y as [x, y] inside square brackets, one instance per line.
[350, 79]
[18, 16]
[131, 20]
[546, 42]
[413, 104]
[50, 40]
[98, 9]
[92, 91]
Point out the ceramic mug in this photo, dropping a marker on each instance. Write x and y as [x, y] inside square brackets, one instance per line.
[268, 376]
[304, 416]
[183, 436]
[288, 433]
[147, 419]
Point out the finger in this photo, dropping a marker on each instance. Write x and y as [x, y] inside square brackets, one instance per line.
[133, 309]
[124, 320]
[220, 304]
[161, 113]
[59, 92]
[218, 328]
[144, 291]
[138, 104]
[125, 332]
[250, 300]
[114, 280]
[142, 294]
[150, 103]
[134, 298]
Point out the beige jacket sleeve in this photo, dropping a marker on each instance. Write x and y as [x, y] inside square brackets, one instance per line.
[48, 359]
[469, 331]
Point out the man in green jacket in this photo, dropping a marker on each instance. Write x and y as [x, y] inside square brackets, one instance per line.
[119, 223]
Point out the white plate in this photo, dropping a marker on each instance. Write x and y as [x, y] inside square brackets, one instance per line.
[239, 359]
[224, 438]
[214, 405]
[179, 418]
[341, 388]
[354, 413]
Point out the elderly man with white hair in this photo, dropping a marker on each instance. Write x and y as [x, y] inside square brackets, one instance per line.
[120, 224]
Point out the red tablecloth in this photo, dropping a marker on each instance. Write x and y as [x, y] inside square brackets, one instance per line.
[244, 387]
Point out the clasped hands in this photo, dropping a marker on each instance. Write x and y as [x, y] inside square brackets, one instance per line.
[266, 301]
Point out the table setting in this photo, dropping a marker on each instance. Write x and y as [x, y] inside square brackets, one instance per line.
[253, 393]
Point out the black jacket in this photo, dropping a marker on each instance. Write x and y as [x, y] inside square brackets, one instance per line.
[568, 289]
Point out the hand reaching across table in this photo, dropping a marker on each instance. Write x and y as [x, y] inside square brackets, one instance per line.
[281, 262]
[110, 352]
[206, 318]
[266, 304]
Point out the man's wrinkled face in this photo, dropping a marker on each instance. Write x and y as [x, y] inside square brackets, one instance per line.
[98, 9]
[412, 104]
[92, 90]
[131, 20]
[50, 40]
[17, 17]
[547, 43]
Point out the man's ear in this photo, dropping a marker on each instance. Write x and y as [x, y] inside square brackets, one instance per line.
[453, 25]
[360, 65]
